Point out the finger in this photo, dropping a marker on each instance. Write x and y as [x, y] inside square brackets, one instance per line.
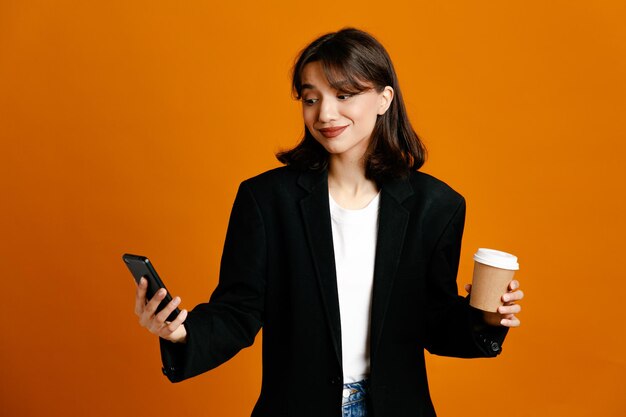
[155, 301]
[513, 285]
[158, 321]
[148, 311]
[468, 288]
[511, 322]
[171, 327]
[513, 296]
[140, 296]
[510, 309]
[171, 306]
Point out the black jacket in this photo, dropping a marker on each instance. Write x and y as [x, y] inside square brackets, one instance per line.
[278, 272]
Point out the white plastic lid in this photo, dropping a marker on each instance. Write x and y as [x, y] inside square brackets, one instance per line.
[496, 259]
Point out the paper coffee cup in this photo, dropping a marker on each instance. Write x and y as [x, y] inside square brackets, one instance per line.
[493, 271]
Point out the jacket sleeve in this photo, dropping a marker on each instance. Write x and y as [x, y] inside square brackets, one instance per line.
[229, 322]
[453, 327]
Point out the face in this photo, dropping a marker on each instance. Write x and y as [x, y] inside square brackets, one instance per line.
[341, 122]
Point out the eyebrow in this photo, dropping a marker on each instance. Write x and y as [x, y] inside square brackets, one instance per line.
[309, 86]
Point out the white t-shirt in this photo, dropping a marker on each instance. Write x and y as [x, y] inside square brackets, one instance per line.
[354, 241]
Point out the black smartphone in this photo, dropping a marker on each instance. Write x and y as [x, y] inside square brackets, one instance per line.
[140, 266]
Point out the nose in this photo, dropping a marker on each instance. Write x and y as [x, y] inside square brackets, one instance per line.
[328, 110]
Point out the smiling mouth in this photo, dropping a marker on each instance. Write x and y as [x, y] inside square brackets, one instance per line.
[330, 132]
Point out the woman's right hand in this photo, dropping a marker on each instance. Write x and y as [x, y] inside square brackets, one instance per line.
[173, 331]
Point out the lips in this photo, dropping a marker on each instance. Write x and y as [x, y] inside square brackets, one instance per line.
[331, 132]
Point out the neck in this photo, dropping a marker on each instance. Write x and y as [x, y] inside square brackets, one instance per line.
[348, 177]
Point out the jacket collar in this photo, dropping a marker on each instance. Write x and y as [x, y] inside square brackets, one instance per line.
[399, 189]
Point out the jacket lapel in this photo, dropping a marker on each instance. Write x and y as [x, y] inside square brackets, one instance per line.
[392, 223]
[316, 214]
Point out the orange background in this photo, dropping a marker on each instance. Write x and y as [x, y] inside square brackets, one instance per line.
[127, 126]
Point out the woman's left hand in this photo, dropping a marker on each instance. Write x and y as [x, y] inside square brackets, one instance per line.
[505, 316]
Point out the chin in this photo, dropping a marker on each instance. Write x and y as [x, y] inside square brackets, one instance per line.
[333, 150]
[329, 147]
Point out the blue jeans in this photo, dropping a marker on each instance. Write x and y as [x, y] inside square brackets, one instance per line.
[354, 400]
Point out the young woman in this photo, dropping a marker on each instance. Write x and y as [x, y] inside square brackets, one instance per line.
[347, 257]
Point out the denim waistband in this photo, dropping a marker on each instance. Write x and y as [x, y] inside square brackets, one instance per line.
[354, 391]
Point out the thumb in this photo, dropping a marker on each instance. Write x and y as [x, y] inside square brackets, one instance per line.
[468, 288]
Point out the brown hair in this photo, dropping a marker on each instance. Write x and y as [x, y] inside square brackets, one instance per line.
[350, 58]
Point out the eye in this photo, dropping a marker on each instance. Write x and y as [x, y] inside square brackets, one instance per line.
[344, 97]
[309, 101]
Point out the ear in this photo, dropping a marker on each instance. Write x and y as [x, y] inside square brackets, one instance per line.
[386, 97]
